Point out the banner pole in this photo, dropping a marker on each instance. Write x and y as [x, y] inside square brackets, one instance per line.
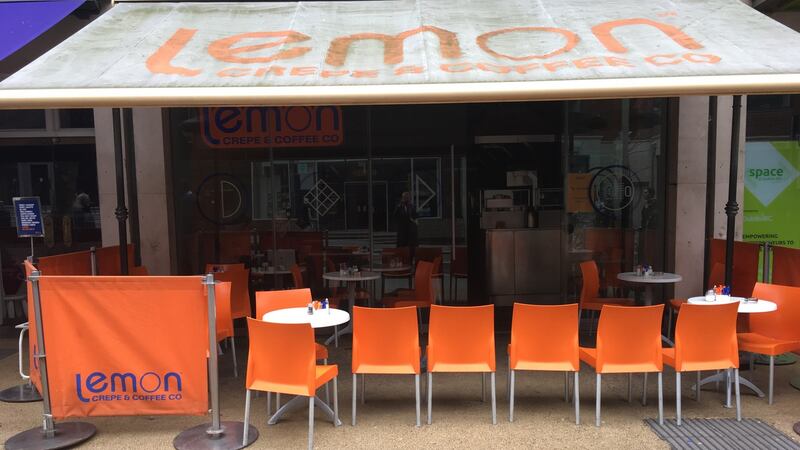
[31, 246]
[93, 258]
[217, 435]
[50, 436]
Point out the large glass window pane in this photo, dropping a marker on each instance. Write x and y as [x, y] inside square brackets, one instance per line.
[23, 119]
[76, 118]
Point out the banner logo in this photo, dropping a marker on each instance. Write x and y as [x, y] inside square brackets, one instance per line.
[260, 127]
[116, 386]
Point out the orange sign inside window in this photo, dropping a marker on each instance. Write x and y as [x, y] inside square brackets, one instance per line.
[271, 126]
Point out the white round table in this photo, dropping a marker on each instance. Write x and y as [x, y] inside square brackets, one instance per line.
[351, 281]
[321, 318]
[648, 281]
[762, 306]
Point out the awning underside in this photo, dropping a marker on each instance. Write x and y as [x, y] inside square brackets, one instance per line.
[168, 54]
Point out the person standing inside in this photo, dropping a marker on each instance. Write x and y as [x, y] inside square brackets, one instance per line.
[405, 218]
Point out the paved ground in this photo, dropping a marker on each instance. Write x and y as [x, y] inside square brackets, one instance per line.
[460, 420]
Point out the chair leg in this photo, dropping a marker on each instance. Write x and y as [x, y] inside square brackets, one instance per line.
[363, 388]
[660, 398]
[430, 397]
[678, 398]
[355, 390]
[336, 401]
[494, 400]
[597, 402]
[728, 387]
[644, 390]
[233, 353]
[508, 377]
[416, 392]
[738, 398]
[771, 377]
[483, 387]
[630, 387]
[311, 422]
[327, 386]
[697, 388]
[277, 401]
[576, 398]
[566, 387]
[246, 417]
[269, 404]
[511, 396]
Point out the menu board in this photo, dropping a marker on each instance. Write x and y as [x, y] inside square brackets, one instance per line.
[28, 211]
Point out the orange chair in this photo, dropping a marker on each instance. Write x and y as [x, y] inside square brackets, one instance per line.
[715, 277]
[422, 296]
[267, 301]
[433, 255]
[544, 338]
[297, 277]
[224, 321]
[461, 339]
[705, 339]
[776, 332]
[628, 341]
[239, 276]
[385, 341]
[591, 289]
[281, 359]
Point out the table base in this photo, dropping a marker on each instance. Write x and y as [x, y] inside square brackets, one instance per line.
[297, 403]
[795, 383]
[722, 377]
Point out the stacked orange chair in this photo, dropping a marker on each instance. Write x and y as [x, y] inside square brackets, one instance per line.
[461, 340]
[239, 277]
[705, 339]
[628, 341]
[544, 338]
[458, 270]
[590, 291]
[776, 332]
[267, 301]
[281, 359]
[385, 341]
[224, 321]
[422, 296]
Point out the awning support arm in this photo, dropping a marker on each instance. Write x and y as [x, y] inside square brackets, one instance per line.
[732, 208]
[121, 212]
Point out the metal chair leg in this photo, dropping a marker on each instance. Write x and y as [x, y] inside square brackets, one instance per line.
[508, 377]
[697, 388]
[678, 398]
[277, 401]
[511, 396]
[728, 388]
[597, 401]
[355, 391]
[483, 387]
[644, 390]
[416, 392]
[630, 387]
[738, 397]
[660, 398]
[771, 377]
[336, 401]
[566, 387]
[576, 398]
[311, 422]
[233, 352]
[430, 397]
[363, 388]
[246, 417]
[327, 386]
[494, 400]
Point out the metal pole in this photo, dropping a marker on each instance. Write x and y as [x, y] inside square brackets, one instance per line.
[370, 197]
[213, 371]
[133, 200]
[732, 208]
[452, 218]
[711, 177]
[31, 248]
[93, 259]
[274, 202]
[121, 212]
[47, 424]
[765, 266]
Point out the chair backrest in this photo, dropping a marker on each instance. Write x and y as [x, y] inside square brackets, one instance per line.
[461, 335]
[784, 323]
[705, 337]
[297, 277]
[629, 339]
[385, 340]
[395, 252]
[281, 358]
[267, 301]
[546, 335]
[423, 282]
[591, 281]
[224, 320]
[239, 278]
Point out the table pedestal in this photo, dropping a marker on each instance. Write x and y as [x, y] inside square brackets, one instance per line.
[723, 377]
[351, 300]
[299, 402]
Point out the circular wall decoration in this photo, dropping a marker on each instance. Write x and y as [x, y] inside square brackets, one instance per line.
[221, 199]
[613, 190]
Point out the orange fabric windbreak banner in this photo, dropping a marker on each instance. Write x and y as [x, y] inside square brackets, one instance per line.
[77, 263]
[745, 264]
[119, 346]
[108, 260]
[33, 363]
[786, 266]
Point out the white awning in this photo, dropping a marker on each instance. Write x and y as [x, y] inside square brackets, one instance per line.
[410, 51]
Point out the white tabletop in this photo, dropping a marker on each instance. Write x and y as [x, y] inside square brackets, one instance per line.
[664, 277]
[358, 276]
[761, 306]
[320, 319]
[388, 268]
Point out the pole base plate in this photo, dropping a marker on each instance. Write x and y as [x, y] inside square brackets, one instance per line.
[23, 393]
[196, 438]
[795, 382]
[67, 434]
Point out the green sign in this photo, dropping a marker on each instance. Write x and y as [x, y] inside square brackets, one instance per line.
[772, 193]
